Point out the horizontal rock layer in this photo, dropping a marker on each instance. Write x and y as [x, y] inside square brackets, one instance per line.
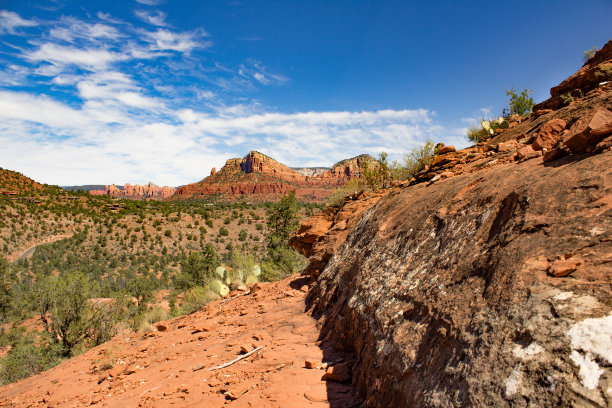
[257, 177]
[136, 192]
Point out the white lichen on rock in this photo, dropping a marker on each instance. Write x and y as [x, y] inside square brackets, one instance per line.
[528, 352]
[591, 340]
[513, 382]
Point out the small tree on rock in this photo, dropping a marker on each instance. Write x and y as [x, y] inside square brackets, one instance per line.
[519, 104]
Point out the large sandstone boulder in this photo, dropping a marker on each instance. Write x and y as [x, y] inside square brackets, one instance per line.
[588, 131]
[490, 289]
[549, 134]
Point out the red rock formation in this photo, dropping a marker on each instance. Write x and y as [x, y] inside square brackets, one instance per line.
[594, 72]
[136, 192]
[483, 281]
[257, 177]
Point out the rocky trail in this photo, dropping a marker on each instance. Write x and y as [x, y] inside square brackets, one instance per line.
[171, 365]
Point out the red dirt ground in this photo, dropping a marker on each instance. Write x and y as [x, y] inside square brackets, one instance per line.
[169, 367]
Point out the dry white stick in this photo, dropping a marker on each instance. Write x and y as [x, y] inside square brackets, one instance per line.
[232, 298]
[235, 360]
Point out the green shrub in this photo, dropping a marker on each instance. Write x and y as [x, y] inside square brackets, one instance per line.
[282, 263]
[414, 161]
[198, 269]
[242, 236]
[156, 314]
[223, 232]
[519, 104]
[196, 298]
[377, 174]
[141, 288]
[353, 186]
[477, 133]
[588, 54]
[567, 98]
[168, 233]
[6, 291]
[68, 315]
[29, 354]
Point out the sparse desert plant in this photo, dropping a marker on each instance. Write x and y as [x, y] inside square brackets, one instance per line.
[519, 103]
[414, 161]
[353, 186]
[198, 269]
[567, 98]
[377, 174]
[196, 298]
[604, 72]
[588, 54]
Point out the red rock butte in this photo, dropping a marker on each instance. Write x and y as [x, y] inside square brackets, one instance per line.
[257, 177]
[136, 192]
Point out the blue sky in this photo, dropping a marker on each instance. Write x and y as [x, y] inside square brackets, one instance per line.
[161, 90]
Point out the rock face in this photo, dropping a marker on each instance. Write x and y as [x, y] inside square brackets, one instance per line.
[443, 291]
[310, 171]
[594, 72]
[483, 281]
[321, 235]
[136, 192]
[257, 177]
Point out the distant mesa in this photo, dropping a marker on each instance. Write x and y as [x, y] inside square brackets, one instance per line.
[135, 192]
[257, 177]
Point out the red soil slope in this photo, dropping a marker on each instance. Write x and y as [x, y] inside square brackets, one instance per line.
[170, 365]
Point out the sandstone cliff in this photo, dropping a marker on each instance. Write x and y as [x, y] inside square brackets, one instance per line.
[485, 280]
[594, 74]
[257, 177]
[136, 192]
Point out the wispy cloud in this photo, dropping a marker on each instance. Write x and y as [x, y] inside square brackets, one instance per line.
[10, 21]
[157, 19]
[150, 2]
[163, 39]
[179, 146]
[115, 102]
[90, 59]
[255, 69]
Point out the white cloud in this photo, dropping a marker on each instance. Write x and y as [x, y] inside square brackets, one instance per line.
[183, 145]
[183, 42]
[9, 21]
[90, 59]
[69, 29]
[255, 69]
[128, 119]
[156, 19]
[150, 2]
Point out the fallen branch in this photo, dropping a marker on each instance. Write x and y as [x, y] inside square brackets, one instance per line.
[235, 360]
[232, 298]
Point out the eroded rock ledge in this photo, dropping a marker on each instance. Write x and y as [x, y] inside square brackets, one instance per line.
[444, 293]
[487, 279]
